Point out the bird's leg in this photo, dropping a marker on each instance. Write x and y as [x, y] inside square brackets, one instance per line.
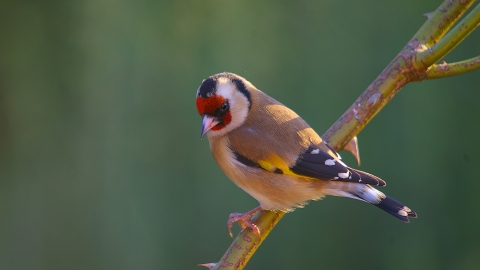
[244, 220]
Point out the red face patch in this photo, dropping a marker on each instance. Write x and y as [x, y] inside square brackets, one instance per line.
[209, 105]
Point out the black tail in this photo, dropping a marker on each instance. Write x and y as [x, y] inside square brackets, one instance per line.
[395, 208]
[373, 196]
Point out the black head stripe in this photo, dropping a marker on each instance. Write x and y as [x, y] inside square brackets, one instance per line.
[242, 89]
[207, 88]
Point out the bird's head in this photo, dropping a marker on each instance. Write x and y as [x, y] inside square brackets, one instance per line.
[223, 100]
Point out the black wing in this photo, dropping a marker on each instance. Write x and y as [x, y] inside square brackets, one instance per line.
[319, 164]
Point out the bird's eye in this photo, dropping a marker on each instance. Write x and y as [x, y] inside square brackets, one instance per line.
[224, 106]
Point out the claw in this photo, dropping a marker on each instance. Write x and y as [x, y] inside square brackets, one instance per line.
[244, 221]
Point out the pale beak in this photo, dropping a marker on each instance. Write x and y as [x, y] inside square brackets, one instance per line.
[208, 123]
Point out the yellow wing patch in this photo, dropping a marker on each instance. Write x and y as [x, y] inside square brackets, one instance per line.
[276, 164]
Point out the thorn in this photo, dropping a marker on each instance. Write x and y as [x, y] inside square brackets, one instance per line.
[428, 15]
[352, 147]
[207, 265]
[443, 66]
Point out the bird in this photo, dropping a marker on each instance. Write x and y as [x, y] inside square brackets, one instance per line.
[271, 153]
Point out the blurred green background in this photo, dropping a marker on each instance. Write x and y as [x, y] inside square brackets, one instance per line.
[102, 167]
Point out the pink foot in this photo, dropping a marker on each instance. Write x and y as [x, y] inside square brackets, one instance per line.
[244, 220]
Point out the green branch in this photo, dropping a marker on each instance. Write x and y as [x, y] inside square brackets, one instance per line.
[440, 21]
[445, 70]
[412, 64]
[451, 39]
[247, 242]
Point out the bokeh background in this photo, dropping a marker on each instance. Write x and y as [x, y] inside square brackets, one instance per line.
[102, 167]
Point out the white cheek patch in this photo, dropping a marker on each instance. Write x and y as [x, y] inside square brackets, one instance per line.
[239, 106]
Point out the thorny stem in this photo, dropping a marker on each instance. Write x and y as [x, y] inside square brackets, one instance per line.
[440, 21]
[413, 63]
[408, 66]
[451, 39]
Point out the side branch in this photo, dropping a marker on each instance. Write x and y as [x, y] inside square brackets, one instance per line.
[446, 70]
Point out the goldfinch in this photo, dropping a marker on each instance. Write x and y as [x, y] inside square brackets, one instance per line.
[274, 155]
